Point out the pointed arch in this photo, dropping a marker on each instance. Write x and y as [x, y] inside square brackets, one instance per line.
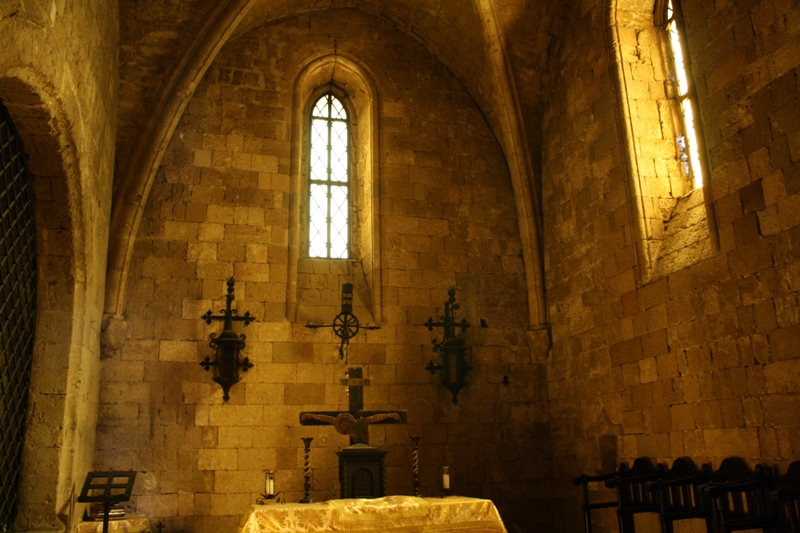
[59, 436]
[502, 110]
[354, 85]
[130, 196]
[508, 126]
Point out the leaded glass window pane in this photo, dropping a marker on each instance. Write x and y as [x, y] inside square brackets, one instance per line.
[337, 110]
[329, 180]
[688, 142]
[319, 150]
[318, 209]
[339, 209]
[339, 151]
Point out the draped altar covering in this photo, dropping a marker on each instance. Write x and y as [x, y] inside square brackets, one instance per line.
[129, 524]
[393, 513]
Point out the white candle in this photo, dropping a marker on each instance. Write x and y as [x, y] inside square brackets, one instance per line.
[446, 477]
[269, 482]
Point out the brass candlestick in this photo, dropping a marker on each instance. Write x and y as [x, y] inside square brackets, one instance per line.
[415, 464]
[307, 471]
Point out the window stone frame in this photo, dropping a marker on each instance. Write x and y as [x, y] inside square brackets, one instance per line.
[649, 120]
[354, 85]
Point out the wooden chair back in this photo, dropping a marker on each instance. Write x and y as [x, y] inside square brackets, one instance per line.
[588, 505]
[737, 498]
[677, 493]
[787, 499]
[633, 492]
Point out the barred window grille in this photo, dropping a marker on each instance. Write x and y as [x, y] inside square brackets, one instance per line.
[329, 181]
[17, 311]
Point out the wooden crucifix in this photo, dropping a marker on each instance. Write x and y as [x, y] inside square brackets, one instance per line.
[355, 422]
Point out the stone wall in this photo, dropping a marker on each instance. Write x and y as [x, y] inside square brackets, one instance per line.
[220, 207]
[702, 360]
[152, 37]
[58, 80]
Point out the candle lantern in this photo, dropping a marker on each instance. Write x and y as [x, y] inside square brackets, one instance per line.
[269, 489]
[452, 362]
[227, 362]
[446, 488]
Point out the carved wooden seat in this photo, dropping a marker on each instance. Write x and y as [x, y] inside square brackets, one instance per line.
[677, 493]
[787, 499]
[633, 493]
[738, 498]
[588, 505]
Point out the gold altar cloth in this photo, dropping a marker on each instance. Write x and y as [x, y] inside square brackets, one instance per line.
[129, 524]
[407, 514]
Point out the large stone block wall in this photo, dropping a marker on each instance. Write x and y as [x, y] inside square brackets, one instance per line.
[220, 207]
[58, 79]
[153, 35]
[701, 361]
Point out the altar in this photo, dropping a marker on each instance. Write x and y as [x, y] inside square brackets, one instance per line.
[392, 513]
[128, 524]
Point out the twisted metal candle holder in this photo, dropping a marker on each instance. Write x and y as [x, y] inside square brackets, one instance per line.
[415, 464]
[307, 470]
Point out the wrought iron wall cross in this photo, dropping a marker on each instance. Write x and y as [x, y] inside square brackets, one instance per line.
[448, 322]
[453, 364]
[230, 315]
[227, 361]
[345, 324]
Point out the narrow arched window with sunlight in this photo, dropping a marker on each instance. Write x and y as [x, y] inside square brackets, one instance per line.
[687, 140]
[329, 180]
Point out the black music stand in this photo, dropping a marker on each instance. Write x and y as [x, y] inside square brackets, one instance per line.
[100, 487]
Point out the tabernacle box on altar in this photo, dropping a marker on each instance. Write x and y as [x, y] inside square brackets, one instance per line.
[392, 513]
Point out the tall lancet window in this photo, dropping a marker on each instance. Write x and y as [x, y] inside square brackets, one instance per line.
[684, 94]
[329, 181]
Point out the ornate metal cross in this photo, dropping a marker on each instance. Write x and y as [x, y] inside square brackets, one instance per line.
[448, 322]
[453, 365]
[354, 422]
[227, 361]
[345, 324]
[230, 315]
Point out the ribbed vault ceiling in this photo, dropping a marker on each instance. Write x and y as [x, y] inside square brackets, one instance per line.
[152, 33]
[499, 49]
